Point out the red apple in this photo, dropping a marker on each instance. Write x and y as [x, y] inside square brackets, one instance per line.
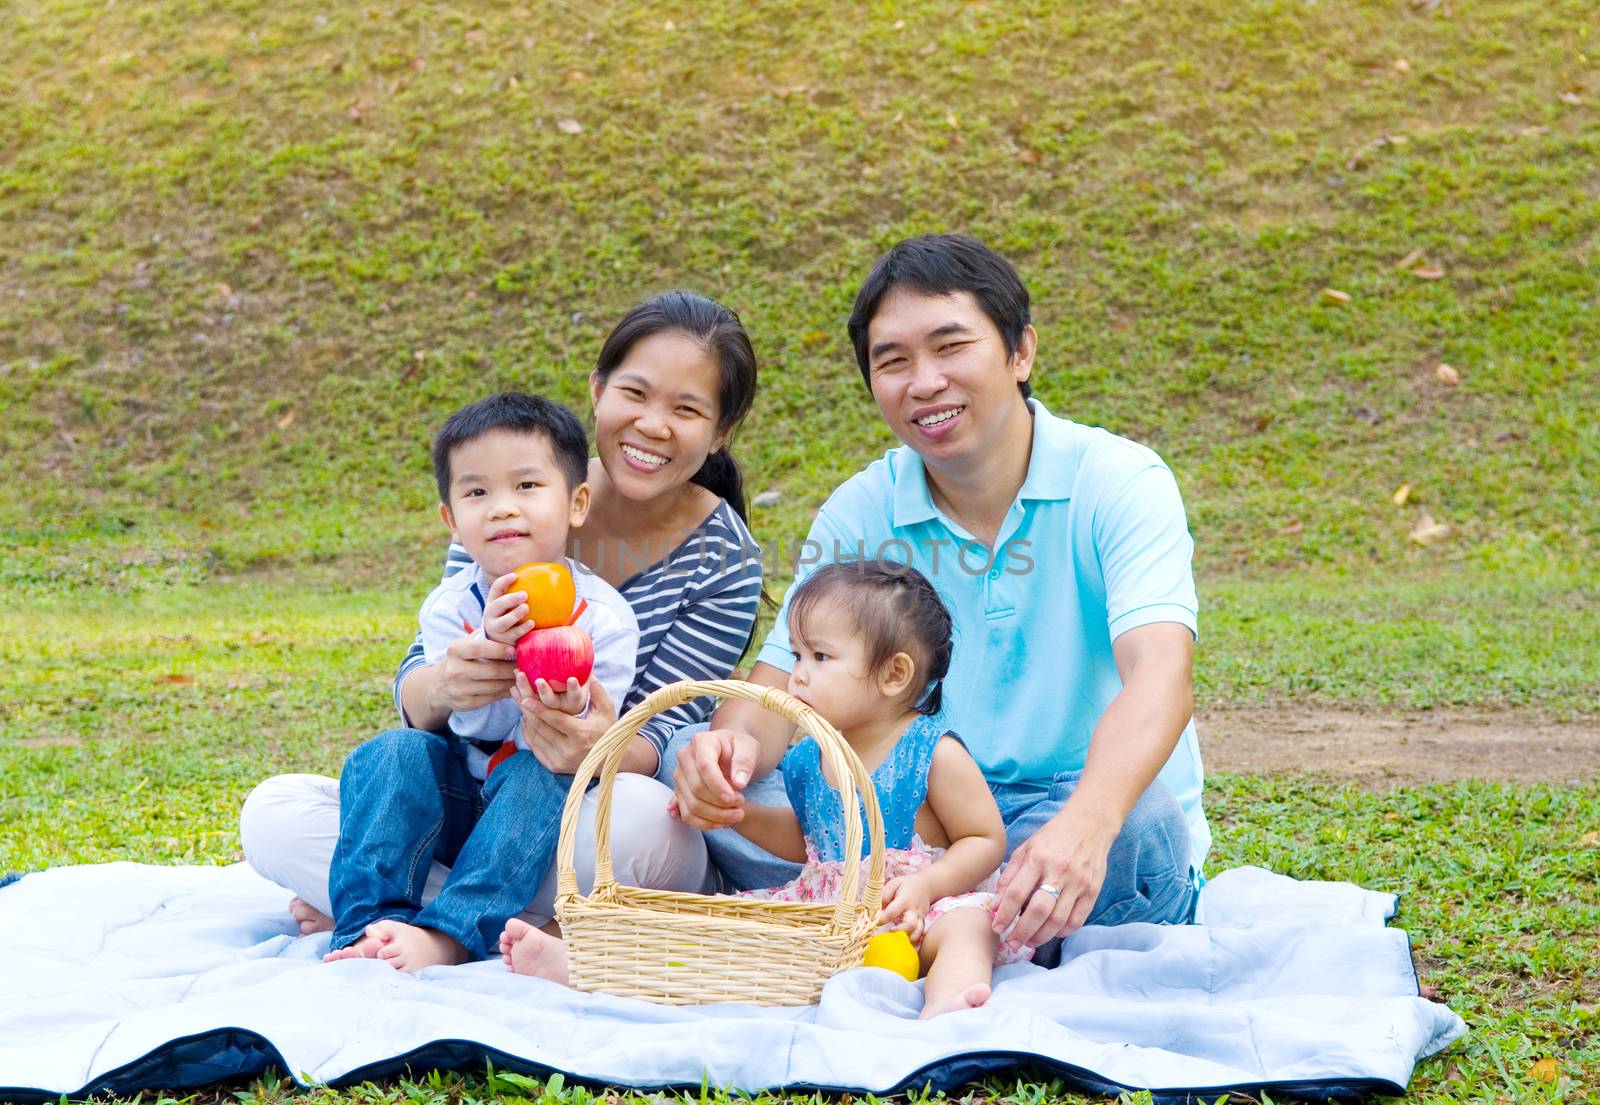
[554, 654]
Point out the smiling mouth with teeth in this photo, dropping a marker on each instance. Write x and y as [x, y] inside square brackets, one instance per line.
[941, 417]
[641, 455]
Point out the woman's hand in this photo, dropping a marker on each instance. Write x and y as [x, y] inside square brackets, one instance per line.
[551, 727]
[906, 901]
[475, 672]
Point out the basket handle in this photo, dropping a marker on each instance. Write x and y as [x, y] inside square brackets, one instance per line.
[605, 759]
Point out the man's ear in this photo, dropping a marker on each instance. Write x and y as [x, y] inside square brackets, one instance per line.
[580, 506]
[894, 678]
[1022, 357]
[449, 521]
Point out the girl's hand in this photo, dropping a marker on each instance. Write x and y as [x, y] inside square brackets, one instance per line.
[505, 616]
[554, 733]
[906, 902]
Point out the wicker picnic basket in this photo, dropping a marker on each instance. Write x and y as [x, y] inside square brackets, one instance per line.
[698, 949]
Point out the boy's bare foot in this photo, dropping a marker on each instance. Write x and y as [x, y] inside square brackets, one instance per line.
[365, 948]
[410, 948]
[971, 998]
[529, 951]
[311, 918]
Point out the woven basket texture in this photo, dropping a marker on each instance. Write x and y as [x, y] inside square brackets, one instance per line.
[700, 949]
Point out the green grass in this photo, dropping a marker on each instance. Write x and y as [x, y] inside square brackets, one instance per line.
[251, 255]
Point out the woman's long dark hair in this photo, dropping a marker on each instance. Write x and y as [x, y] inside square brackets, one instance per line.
[719, 330]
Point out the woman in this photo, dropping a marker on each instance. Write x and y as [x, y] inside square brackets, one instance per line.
[667, 527]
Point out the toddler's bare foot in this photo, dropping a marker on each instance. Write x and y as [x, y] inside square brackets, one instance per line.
[311, 918]
[971, 998]
[528, 951]
[365, 948]
[410, 948]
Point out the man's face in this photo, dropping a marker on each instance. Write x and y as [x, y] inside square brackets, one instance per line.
[941, 375]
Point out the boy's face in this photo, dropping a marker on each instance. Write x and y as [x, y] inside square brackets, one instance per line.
[509, 501]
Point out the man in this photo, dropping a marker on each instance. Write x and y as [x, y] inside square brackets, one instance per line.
[1064, 556]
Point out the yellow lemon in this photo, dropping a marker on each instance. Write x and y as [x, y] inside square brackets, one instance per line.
[893, 952]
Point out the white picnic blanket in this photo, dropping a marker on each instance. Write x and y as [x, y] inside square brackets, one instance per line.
[120, 977]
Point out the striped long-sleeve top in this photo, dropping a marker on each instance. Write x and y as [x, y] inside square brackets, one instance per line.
[696, 609]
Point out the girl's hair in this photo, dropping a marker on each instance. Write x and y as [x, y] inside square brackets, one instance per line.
[895, 609]
[722, 335]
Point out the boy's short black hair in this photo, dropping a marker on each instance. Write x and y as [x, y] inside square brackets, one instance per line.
[520, 413]
[943, 264]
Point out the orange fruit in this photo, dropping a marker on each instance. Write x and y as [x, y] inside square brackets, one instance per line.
[550, 593]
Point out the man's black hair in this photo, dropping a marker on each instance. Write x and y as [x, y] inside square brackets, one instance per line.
[519, 413]
[943, 264]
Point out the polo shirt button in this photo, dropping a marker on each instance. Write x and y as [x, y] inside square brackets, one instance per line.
[994, 574]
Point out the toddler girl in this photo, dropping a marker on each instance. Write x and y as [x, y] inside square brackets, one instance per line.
[872, 644]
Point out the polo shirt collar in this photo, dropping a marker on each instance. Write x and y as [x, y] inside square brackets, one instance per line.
[1053, 459]
[1052, 469]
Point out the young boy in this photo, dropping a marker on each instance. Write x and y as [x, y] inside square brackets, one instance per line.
[510, 470]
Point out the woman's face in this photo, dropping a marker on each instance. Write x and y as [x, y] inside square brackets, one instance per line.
[655, 419]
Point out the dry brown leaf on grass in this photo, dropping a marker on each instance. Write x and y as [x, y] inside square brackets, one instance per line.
[1293, 529]
[1334, 295]
[1427, 272]
[1533, 132]
[176, 678]
[1410, 259]
[569, 126]
[1570, 97]
[1545, 1070]
[223, 290]
[1028, 157]
[1589, 840]
[286, 421]
[1446, 375]
[1401, 494]
[1428, 532]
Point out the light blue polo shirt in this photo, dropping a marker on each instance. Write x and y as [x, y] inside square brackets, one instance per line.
[1095, 544]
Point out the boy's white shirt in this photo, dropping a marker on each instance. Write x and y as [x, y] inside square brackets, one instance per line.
[608, 619]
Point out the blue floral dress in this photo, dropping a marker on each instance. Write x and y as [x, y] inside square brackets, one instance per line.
[902, 785]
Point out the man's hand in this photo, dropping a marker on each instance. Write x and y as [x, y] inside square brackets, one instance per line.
[710, 778]
[505, 616]
[906, 901]
[1068, 855]
[475, 672]
[551, 727]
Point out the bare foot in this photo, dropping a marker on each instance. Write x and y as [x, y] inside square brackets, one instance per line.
[971, 998]
[529, 951]
[365, 948]
[310, 917]
[410, 948]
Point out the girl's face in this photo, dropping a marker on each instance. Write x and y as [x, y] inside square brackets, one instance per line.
[655, 418]
[830, 672]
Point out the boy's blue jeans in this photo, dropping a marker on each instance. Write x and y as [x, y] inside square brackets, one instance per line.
[407, 799]
[1147, 870]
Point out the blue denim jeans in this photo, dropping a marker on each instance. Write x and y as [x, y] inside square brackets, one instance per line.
[407, 799]
[1147, 870]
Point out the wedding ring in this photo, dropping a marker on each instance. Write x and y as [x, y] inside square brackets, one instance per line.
[1048, 889]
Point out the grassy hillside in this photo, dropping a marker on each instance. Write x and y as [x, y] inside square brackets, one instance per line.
[251, 255]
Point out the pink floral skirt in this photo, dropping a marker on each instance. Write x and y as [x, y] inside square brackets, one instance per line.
[820, 880]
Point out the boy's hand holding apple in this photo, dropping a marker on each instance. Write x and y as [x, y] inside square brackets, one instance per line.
[554, 725]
